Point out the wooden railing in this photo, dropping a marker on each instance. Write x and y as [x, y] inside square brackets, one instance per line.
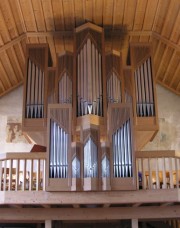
[22, 171]
[158, 169]
[26, 171]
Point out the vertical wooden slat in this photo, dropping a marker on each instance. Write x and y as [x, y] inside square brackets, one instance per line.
[31, 176]
[5, 175]
[143, 174]
[171, 173]
[137, 173]
[37, 174]
[157, 174]
[164, 173]
[150, 173]
[17, 175]
[1, 177]
[44, 175]
[177, 171]
[24, 175]
[10, 175]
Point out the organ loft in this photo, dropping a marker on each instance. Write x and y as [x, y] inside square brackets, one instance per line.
[91, 112]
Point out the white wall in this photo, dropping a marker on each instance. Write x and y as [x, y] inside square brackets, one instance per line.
[11, 107]
[168, 137]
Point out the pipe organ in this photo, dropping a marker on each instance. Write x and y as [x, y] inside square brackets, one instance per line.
[94, 111]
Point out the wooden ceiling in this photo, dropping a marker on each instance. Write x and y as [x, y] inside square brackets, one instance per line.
[53, 21]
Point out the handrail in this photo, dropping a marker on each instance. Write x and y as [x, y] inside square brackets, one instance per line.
[158, 169]
[157, 154]
[22, 155]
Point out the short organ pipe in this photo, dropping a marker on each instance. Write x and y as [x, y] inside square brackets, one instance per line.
[122, 151]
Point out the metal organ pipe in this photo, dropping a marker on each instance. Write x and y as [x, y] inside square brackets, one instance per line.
[144, 89]
[89, 80]
[58, 151]
[122, 151]
[90, 159]
[114, 89]
[34, 91]
[65, 89]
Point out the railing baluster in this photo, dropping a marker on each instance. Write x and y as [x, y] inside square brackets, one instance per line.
[5, 175]
[10, 175]
[38, 175]
[177, 171]
[171, 173]
[164, 174]
[17, 175]
[137, 173]
[1, 177]
[31, 176]
[157, 174]
[150, 173]
[143, 174]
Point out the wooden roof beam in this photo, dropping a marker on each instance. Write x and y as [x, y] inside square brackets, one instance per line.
[166, 41]
[11, 43]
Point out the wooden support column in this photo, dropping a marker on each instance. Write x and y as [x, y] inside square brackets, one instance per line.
[48, 224]
[134, 223]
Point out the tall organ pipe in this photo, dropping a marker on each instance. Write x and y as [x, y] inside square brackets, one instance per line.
[144, 89]
[89, 80]
[34, 91]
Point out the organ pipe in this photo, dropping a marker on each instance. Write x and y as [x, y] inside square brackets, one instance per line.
[89, 80]
[65, 89]
[76, 168]
[58, 151]
[105, 167]
[122, 151]
[114, 89]
[34, 91]
[90, 159]
[144, 89]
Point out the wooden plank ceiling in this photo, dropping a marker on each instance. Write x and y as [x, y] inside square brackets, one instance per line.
[53, 21]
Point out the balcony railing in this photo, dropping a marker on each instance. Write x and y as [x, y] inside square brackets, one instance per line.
[158, 169]
[22, 171]
[26, 171]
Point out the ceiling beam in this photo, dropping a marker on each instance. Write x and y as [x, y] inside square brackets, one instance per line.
[70, 33]
[87, 214]
[12, 42]
[11, 88]
[166, 41]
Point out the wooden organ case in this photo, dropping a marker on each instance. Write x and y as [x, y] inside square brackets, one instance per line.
[95, 112]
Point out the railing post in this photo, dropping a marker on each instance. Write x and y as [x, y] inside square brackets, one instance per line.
[17, 175]
[177, 171]
[5, 175]
[31, 176]
[164, 173]
[1, 175]
[157, 174]
[38, 175]
[10, 175]
[143, 175]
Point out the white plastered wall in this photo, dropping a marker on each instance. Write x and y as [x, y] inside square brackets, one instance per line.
[11, 107]
[168, 137]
